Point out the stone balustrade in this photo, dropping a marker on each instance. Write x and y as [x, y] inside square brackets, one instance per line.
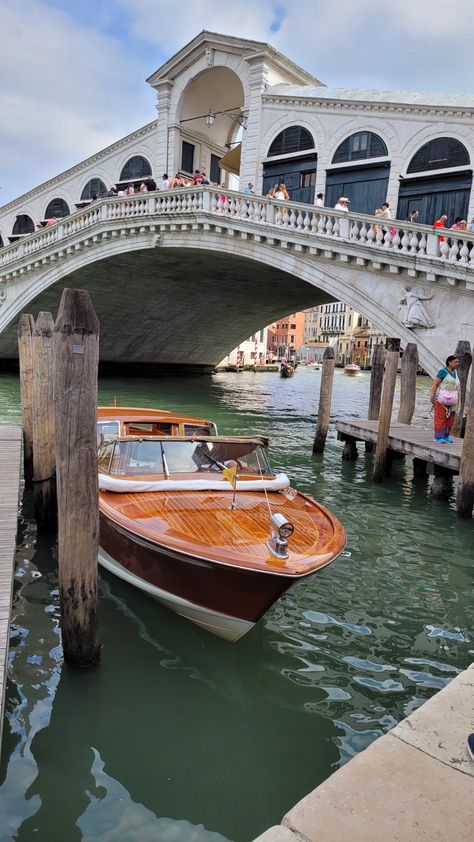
[277, 218]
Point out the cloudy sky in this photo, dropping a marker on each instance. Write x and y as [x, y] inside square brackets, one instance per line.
[72, 72]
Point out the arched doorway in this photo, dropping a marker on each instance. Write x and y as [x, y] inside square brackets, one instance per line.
[355, 175]
[23, 224]
[294, 165]
[430, 188]
[134, 171]
[58, 208]
[210, 115]
[94, 189]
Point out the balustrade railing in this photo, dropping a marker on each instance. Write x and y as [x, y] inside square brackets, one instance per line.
[393, 236]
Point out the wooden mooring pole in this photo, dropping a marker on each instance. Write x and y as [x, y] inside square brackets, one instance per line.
[463, 351]
[388, 391]
[376, 380]
[76, 366]
[44, 476]
[465, 496]
[409, 368]
[325, 397]
[25, 354]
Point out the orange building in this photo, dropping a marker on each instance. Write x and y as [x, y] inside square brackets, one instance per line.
[285, 337]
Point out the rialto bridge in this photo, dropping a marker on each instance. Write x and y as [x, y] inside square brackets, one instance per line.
[181, 276]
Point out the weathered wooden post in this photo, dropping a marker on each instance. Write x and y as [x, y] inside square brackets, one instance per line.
[376, 379]
[465, 496]
[76, 365]
[463, 351]
[386, 403]
[325, 397]
[44, 475]
[25, 354]
[409, 368]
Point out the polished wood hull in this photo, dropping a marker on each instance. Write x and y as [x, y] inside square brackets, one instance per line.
[225, 600]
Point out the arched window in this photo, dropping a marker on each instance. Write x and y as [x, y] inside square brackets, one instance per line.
[94, 187]
[293, 139]
[440, 153]
[57, 207]
[23, 224]
[360, 146]
[136, 167]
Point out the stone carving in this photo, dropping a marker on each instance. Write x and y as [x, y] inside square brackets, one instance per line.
[413, 313]
[3, 296]
[210, 56]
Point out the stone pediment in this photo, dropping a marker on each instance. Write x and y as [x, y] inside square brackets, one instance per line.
[208, 43]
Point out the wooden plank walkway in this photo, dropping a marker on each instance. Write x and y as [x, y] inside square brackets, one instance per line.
[408, 439]
[10, 474]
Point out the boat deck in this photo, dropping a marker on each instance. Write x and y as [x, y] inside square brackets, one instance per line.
[10, 473]
[408, 439]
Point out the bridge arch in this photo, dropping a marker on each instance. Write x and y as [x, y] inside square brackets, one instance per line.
[177, 325]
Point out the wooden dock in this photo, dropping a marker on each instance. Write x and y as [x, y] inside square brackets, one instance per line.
[10, 474]
[407, 439]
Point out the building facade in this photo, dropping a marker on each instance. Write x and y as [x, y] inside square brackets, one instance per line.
[231, 105]
[285, 337]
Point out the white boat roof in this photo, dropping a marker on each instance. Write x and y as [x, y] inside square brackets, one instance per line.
[417, 98]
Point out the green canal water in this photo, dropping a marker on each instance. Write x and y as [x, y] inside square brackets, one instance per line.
[180, 736]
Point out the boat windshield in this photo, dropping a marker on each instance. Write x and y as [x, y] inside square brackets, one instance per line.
[174, 457]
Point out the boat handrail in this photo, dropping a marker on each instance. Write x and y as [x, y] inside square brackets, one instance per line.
[127, 486]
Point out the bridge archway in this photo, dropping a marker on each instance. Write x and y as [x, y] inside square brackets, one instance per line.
[196, 297]
[210, 112]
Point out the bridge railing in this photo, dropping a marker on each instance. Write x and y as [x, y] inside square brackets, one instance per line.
[370, 231]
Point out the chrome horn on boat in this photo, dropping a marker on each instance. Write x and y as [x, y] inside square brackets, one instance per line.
[283, 529]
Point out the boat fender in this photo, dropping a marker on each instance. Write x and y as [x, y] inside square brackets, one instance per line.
[126, 486]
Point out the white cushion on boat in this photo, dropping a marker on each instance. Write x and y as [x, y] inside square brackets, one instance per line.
[124, 486]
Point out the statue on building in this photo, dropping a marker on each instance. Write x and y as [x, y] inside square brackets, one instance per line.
[210, 57]
[3, 296]
[413, 313]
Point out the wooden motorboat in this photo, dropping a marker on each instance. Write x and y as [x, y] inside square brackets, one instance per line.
[287, 370]
[352, 369]
[173, 524]
[115, 421]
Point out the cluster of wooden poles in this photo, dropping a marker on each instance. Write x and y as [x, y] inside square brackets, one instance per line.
[58, 383]
[382, 389]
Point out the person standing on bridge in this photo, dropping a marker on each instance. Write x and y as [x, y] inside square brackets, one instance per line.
[445, 400]
[342, 204]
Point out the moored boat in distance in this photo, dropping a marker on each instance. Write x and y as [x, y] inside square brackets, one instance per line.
[203, 525]
[352, 369]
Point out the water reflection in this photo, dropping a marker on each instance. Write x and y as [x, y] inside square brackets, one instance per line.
[178, 735]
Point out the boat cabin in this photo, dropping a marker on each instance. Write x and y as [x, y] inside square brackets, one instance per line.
[113, 421]
[173, 457]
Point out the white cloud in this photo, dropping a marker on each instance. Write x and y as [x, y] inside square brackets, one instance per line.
[67, 93]
[157, 22]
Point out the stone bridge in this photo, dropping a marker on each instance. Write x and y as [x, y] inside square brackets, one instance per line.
[182, 276]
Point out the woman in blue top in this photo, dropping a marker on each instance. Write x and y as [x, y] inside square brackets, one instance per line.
[445, 399]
